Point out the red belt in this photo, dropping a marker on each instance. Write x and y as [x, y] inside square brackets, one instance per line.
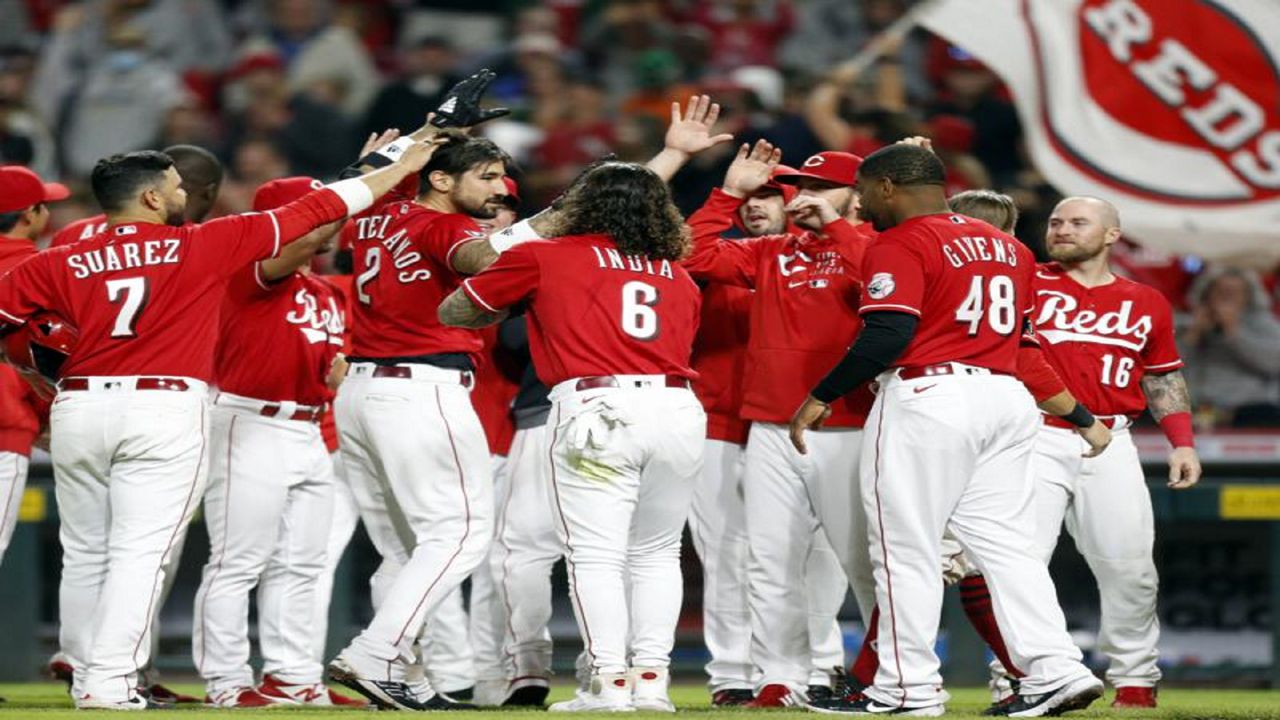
[609, 381]
[911, 373]
[1054, 421]
[308, 414]
[146, 383]
[466, 377]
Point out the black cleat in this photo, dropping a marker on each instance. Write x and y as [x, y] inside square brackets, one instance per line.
[820, 692]
[859, 704]
[465, 694]
[733, 697]
[390, 695]
[527, 696]
[1075, 695]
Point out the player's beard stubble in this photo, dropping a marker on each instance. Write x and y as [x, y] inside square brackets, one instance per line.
[175, 213]
[485, 209]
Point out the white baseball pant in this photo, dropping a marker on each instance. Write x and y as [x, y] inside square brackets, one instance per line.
[346, 516]
[448, 657]
[954, 451]
[718, 527]
[13, 480]
[416, 444]
[795, 592]
[129, 467]
[488, 619]
[525, 549]
[1107, 509]
[267, 509]
[623, 466]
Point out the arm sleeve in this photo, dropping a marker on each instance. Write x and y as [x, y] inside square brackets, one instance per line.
[1160, 354]
[512, 278]
[713, 258]
[26, 289]
[884, 337]
[1037, 375]
[443, 238]
[850, 243]
[242, 239]
[893, 280]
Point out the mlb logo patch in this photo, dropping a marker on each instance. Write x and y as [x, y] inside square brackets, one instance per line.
[820, 283]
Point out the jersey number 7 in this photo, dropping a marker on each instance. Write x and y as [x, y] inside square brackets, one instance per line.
[131, 295]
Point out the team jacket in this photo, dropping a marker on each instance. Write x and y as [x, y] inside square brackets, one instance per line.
[803, 313]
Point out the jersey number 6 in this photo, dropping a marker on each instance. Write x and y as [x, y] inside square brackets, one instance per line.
[131, 295]
[639, 319]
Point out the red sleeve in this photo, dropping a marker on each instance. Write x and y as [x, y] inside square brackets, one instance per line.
[732, 262]
[444, 236]
[247, 283]
[26, 289]
[1036, 373]
[512, 278]
[893, 279]
[239, 240]
[1160, 354]
[850, 243]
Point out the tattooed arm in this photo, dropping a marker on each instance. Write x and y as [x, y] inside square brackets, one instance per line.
[458, 310]
[1170, 405]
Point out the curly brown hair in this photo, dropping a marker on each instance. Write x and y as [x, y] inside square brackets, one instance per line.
[630, 204]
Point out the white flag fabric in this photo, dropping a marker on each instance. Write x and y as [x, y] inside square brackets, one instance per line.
[1168, 108]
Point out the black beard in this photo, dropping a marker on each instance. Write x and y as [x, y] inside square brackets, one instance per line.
[177, 219]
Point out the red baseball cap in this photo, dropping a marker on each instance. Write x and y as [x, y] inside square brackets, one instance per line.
[773, 183]
[513, 190]
[283, 191]
[840, 168]
[20, 189]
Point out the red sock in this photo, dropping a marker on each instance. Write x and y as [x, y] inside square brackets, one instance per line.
[868, 662]
[976, 598]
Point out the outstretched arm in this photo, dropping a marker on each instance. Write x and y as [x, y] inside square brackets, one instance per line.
[688, 135]
[458, 310]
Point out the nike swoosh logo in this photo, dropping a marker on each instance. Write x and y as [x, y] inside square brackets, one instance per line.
[797, 284]
[922, 389]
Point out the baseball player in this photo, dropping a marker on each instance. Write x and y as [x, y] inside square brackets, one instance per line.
[717, 521]
[1112, 341]
[201, 180]
[24, 214]
[270, 493]
[128, 422]
[612, 317]
[945, 305]
[796, 277]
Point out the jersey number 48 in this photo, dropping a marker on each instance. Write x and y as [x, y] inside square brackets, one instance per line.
[994, 300]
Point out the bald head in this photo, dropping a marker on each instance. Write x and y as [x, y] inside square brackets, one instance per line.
[1082, 228]
[201, 178]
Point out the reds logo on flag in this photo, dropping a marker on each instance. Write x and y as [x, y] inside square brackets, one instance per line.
[1169, 108]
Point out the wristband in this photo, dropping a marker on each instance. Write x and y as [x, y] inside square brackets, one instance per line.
[1177, 427]
[354, 194]
[1080, 416]
[504, 240]
[387, 154]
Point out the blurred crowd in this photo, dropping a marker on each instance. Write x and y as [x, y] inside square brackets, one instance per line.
[281, 87]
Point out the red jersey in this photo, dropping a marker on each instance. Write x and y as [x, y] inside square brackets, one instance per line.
[803, 312]
[594, 311]
[145, 297]
[497, 382]
[1103, 340]
[277, 340]
[328, 427]
[969, 284]
[21, 410]
[402, 255]
[79, 230]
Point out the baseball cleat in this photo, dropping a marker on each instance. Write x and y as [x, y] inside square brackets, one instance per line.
[1075, 695]
[859, 704]
[609, 692]
[1134, 697]
[162, 694]
[649, 689]
[490, 692]
[819, 692]
[337, 699]
[731, 697]
[287, 694]
[137, 702]
[241, 697]
[775, 696]
[391, 695]
[59, 668]
[466, 694]
[527, 693]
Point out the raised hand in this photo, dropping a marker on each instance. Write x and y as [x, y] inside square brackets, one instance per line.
[461, 105]
[690, 130]
[417, 155]
[751, 169]
[376, 141]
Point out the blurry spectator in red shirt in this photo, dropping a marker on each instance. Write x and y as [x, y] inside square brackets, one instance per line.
[744, 32]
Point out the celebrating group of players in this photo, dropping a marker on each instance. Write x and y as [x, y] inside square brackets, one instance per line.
[838, 396]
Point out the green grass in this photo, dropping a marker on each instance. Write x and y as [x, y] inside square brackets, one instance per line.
[48, 701]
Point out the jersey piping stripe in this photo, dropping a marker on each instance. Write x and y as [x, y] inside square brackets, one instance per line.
[471, 293]
[462, 541]
[178, 530]
[11, 318]
[1164, 366]
[448, 254]
[568, 541]
[884, 550]
[222, 551]
[275, 224]
[893, 308]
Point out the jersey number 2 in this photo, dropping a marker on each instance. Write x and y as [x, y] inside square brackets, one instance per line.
[994, 300]
[639, 319]
[373, 259]
[131, 295]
